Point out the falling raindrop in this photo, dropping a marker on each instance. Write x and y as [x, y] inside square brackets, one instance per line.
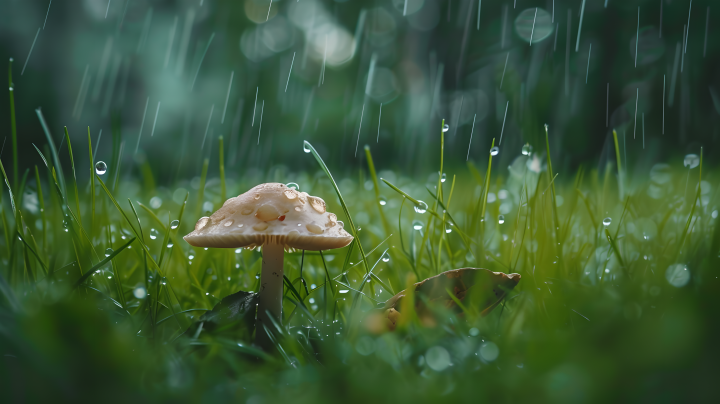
[293, 185]
[108, 252]
[607, 221]
[421, 207]
[174, 224]
[494, 151]
[153, 234]
[382, 201]
[100, 168]
[306, 146]
[501, 219]
[417, 225]
[527, 149]
[446, 128]
[691, 161]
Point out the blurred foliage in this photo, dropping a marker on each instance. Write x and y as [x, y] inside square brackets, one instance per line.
[616, 240]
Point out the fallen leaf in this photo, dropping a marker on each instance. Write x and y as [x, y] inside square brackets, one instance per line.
[475, 288]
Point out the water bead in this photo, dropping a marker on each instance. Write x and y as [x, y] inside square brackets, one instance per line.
[446, 128]
[677, 275]
[691, 161]
[382, 201]
[607, 221]
[293, 185]
[108, 252]
[100, 168]
[417, 225]
[306, 146]
[501, 219]
[139, 292]
[421, 207]
[443, 177]
[386, 257]
[174, 224]
[526, 149]
[494, 151]
[153, 234]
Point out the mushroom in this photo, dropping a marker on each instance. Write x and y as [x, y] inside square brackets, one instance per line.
[276, 218]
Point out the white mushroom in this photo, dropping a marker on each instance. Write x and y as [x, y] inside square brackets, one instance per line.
[277, 218]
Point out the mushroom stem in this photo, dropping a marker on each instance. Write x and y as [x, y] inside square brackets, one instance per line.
[271, 292]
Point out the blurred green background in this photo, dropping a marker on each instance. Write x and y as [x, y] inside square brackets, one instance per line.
[159, 82]
[187, 72]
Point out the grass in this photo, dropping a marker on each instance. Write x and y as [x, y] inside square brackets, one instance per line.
[600, 311]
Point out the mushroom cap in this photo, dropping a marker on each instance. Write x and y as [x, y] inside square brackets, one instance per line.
[271, 213]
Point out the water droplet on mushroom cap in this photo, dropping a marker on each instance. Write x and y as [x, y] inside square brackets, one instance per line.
[314, 228]
[291, 193]
[260, 226]
[317, 203]
[202, 223]
[267, 213]
[228, 223]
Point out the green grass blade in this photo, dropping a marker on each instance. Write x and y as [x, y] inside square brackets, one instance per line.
[13, 127]
[619, 164]
[72, 164]
[92, 182]
[401, 192]
[376, 186]
[551, 179]
[692, 210]
[102, 263]
[53, 150]
[320, 161]
[41, 201]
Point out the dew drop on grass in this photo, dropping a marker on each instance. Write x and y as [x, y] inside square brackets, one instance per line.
[489, 351]
[501, 219]
[443, 177]
[448, 228]
[108, 252]
[494, 151]
[446, 128]
[169, 245]
[153, 234]
[437, 358]
[417, 225]
[691, 161]
[100, 168]
[293, 185]
[174, 224]
[382, 201]
[421, 207]
[527, 149]
[386, 257]
[607, 221]
[306, 146]
[677, 275]
[155, 202]
[139, 292]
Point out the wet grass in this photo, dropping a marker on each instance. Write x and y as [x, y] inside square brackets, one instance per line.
[618, 293]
